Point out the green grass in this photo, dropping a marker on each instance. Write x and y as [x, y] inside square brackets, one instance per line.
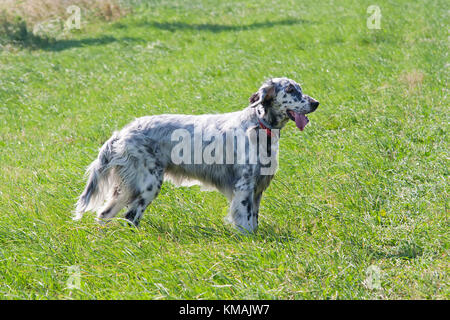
[366, 184]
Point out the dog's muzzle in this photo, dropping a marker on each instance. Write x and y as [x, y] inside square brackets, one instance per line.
[301, 120]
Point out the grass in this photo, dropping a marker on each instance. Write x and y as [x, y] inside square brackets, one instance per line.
[366, 184]
[38, 23]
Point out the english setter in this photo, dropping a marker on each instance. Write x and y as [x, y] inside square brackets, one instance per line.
[133, 163]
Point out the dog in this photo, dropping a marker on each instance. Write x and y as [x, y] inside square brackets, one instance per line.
[132, 165]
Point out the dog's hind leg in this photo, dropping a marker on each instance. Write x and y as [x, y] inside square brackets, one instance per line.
[149, 187]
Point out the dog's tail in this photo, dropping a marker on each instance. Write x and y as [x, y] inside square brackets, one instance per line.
[99, 183]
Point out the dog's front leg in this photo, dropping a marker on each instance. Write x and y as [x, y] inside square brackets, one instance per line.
[256, 203]
[242, 211]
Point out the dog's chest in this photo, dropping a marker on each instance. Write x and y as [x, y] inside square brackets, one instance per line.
[262, 182]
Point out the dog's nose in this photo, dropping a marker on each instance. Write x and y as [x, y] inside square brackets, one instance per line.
[313, 103]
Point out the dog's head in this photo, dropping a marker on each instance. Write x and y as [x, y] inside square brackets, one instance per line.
[281, 99]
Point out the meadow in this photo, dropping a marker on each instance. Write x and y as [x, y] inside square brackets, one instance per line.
[357, 210]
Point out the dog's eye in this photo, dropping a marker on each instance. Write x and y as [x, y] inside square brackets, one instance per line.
[290, 88]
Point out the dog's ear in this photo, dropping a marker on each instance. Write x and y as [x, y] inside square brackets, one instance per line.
[266, 92]
[254, 97]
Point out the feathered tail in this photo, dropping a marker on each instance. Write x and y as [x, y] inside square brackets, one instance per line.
[99, 183]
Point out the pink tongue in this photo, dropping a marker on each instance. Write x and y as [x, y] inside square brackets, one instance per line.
[300, 120]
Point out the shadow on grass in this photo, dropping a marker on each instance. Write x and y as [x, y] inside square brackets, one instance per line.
[195, 232]
[405, 251]
[67, 44]
[215, 28]
[35, 43]
[30, 41]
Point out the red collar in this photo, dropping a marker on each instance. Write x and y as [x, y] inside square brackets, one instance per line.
[268, 131]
